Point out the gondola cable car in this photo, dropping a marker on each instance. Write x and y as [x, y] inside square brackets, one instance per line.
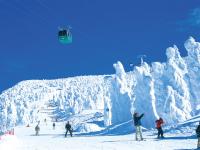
[65, 35]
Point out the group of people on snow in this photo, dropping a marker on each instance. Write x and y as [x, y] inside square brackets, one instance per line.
[159, 122]
[138, 130]
[68, 128]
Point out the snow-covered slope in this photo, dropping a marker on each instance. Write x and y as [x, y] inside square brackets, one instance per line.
[169, 90]
[49, 139]
[21, 104]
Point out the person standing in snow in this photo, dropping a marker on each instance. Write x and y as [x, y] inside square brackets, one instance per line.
[137, 123]
[45, 121]
[198, 136]
[68, 127]
[54, 125]
[159, 123]
[37, 129]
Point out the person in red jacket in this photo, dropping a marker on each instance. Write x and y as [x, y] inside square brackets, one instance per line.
[159, 124]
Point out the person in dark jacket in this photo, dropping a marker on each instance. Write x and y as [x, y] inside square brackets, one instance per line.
[54, 125]
[137, 123]
[68, 127]
[198, 136]
[37, 130]
[159, 124]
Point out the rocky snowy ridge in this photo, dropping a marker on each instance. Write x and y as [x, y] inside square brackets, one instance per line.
[169, 90]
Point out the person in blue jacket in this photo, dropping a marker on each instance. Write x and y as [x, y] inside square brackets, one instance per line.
[137, 123]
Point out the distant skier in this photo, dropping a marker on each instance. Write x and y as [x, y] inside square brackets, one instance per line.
[45, 120]
[54, 125]
[37, 129]
[198, 136]
[137, 123]
[107, 109]
[159, 123]
[68, 127]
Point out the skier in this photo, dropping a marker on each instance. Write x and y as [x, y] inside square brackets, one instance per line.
[137, 123]
[198, 135]
[37, 129]
[159, 123]
[45, 120]
[68, 127]
[54, 125]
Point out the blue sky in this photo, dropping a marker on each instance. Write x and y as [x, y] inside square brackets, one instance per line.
[104, 31]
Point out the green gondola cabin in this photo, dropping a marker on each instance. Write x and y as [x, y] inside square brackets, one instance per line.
[65, 36]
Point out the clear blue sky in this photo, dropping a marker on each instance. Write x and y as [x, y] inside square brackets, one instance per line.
[104, 31]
